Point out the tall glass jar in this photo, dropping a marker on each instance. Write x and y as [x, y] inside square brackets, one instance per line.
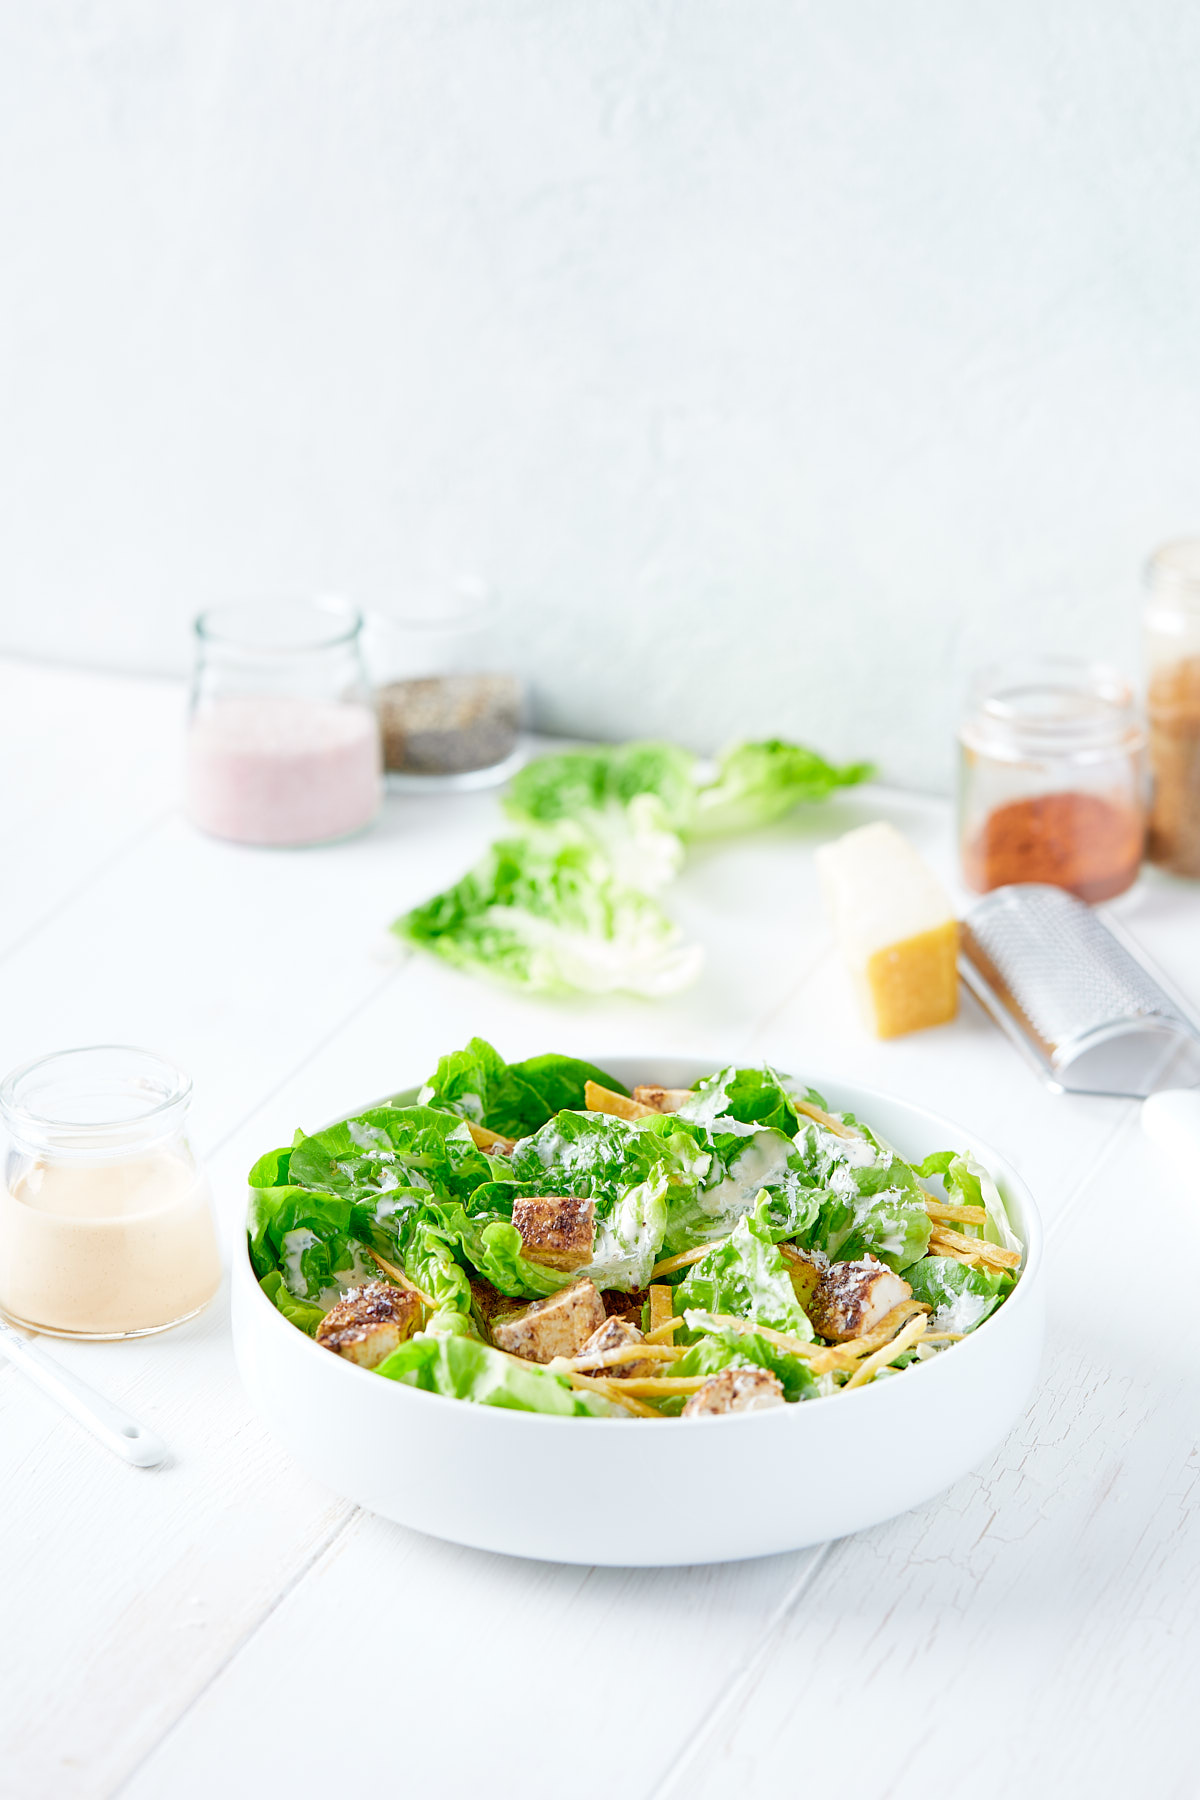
[283, 741]
[1051, 779]
[106, 1226]
[1172, 638]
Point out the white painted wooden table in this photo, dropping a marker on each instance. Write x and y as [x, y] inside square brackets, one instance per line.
[223, 1626]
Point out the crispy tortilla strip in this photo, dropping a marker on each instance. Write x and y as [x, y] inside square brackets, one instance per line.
[610, 1359]
[797, 1346]
[664, 1333]
[662, 1100]
[655, 1384]
[971, 1250]
[886, 1329]
[395, 1273]
[943, 1337]
[961, 1215]
[603, 1100]
[685, 1258]
[662, 1310]
[486, 1139]
[904, 1340]
[606, 1390]
[825, 1119]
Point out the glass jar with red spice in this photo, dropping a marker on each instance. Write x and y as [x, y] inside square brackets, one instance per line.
[1172, 625]
[1052, 783]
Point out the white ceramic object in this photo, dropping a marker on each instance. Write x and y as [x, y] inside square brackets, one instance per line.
[652, 1492]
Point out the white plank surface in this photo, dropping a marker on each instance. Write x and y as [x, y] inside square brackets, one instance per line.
[169, 1634]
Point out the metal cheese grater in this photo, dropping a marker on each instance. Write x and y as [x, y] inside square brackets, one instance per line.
[1075, 995]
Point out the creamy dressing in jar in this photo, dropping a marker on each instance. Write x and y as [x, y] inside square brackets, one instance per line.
[107, 1248]
[106, 1225]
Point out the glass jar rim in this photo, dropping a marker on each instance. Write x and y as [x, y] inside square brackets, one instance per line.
[1094, 703]
[231, 626]
[167, 1097]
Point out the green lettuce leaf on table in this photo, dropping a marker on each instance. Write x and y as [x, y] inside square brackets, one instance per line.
[746, 1276]
[462, 1368]
[546, 912]
[756, 784]
[511, 1098]
[632, 800]
[568, 902]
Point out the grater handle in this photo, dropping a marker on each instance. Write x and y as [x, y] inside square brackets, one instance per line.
[1171, 1119]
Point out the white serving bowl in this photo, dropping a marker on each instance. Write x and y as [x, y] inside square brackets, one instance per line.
[649, 1491]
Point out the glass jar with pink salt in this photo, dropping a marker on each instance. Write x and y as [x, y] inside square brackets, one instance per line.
[106, 1227]
[283, 743]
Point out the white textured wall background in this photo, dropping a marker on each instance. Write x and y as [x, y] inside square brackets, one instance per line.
[780, 360]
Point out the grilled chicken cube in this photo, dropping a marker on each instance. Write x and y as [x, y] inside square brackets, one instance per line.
[853, 1297]
[616, 1334]
[369, 1323]
[559, 1326]
[735, 1391]
[661, 1099]
[557, 1231]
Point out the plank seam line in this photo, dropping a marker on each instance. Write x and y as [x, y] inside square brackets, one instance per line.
[745, 1675]
[298, 1575]
[1123, 1124]
[94, 874]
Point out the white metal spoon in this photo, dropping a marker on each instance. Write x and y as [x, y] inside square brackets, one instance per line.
[114, 1427]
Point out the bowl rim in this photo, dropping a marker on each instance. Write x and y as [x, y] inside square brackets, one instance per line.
[1024, 1296]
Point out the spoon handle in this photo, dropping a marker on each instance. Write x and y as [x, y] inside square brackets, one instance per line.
[107, 1421]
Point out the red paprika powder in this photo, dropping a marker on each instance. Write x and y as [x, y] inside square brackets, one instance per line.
[1084, 843]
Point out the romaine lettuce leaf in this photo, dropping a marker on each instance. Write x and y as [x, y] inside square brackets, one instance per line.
[962, 1297]
[741, 1169]
[968, 1183]
[315, 1243]
[461, 1368]
[546, 912]
[755, 784]
[716, 1347]
[745, 1275]
[406, 1150]
[872, 1202]
[512, 1098]
[631, 800]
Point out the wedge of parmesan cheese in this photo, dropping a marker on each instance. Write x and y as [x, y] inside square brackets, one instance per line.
[894, 927]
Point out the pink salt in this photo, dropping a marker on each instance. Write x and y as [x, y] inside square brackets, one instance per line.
[271, 770]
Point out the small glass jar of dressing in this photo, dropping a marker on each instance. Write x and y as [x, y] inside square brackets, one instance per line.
[106, 1227]
[283, 744]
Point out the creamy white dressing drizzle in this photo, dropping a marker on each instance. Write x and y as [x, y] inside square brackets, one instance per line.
[764, 1158]
[295, 1243]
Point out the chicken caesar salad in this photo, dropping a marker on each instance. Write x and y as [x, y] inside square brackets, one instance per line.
[536, 1236]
